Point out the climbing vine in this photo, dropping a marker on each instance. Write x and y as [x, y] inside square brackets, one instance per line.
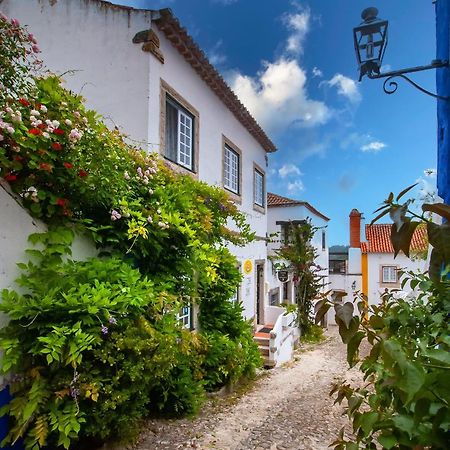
[94, 346]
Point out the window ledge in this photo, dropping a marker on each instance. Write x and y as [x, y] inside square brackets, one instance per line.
[236, 198]
[180, 169]
[259, 208]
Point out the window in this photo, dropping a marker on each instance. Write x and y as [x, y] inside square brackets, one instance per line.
[337, 266]
[179, 133]
[231, 168]
[184, 317]
[274, 297]
[389, 274]
[258, 188]
[323, 240]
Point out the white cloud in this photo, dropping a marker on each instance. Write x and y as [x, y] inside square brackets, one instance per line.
[362, 141]
[298, 24]
[296, 186]
[289, 169]
[345, 87]
[374, 146]
[317, 72]
[215, 55]
[277, 96]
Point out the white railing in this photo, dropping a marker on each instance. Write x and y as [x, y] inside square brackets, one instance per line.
[283, 337]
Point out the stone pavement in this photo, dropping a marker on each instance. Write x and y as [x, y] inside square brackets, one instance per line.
[289, 408]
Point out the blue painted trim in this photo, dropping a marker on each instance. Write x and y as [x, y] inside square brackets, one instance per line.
[5, 398]
[443, 106]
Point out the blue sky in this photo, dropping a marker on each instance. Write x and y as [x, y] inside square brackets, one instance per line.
[342, 144]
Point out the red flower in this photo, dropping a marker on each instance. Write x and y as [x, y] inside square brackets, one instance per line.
[45, 166]
[82, 173]
[42, 126]
[61, 202]
[58, 131]
[10, 177]
[18, 158]
[67, 165]
[24, 102]
[35, 131]
[56, 146]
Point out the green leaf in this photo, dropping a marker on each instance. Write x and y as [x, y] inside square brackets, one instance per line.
[439, 237]
[412, 380]
[402, 193]
[382, 214]
[344, 312]
[401, 238]
[388, 441]
[404, 423]
[353, 348]
[441, 209]
[367, 421]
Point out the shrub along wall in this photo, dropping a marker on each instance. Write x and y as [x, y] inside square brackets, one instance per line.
[95, 346]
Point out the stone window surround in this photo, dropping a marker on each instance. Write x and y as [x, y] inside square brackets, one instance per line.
[389, 284]
[237, 198]
[259, 208]
[165, 90]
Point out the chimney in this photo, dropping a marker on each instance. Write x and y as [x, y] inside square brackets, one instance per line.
[355, 229]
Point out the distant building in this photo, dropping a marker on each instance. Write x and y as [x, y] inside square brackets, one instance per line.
[368, 265]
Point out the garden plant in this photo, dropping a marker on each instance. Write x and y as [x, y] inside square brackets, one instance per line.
[405, 400]
[95, 346]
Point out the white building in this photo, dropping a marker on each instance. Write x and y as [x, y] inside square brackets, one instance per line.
[368, 265]
[144, 73]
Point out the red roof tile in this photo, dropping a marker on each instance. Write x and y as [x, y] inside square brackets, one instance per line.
[378, 238]
[274, 200]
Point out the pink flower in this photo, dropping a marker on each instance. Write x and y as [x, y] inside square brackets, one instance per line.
[3, 17]
[1, 137]
[10, 130]
[115, 215]
[36, 49]
[15, 23]
[43, 108]
[75, 135]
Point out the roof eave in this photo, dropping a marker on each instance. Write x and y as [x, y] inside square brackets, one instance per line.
[183, 42]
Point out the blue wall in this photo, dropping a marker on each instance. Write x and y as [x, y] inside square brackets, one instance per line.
[443, 107]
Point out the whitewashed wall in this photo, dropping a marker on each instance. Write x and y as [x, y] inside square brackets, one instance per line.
[122, 82]
[15, 227]
[95, 41]
[376, 260]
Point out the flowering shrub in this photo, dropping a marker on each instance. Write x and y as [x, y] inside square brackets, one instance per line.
[19, 58]
[91, 346]
[95, 346]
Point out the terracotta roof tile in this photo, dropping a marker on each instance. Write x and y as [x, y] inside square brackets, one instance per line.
[378, 238]
[274, 200]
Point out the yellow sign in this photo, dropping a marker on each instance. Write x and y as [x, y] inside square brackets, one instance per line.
[248, 266]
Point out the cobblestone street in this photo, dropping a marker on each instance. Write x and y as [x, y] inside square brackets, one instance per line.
[289, 408]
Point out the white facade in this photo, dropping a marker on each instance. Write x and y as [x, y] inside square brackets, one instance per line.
[289, 213]
[124, 84]
[375, 263]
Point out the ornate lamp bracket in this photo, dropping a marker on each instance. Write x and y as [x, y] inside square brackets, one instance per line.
[390, 85]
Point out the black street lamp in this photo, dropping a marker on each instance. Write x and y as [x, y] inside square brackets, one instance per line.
[370, 39]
